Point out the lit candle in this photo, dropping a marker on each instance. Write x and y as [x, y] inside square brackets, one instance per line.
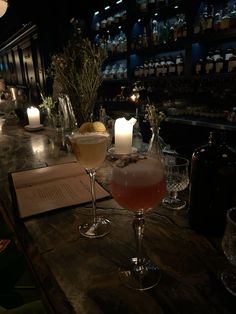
[124, 135]
[33, 116]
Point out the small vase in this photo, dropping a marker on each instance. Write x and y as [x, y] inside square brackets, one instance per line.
[68, 120]
[156, 144]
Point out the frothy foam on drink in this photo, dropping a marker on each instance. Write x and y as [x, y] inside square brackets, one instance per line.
[142, 173]
[89, 138]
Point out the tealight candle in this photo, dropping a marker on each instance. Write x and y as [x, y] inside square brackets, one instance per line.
[33, 116]
[124, 135]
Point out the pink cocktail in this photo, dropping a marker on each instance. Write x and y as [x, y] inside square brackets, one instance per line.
[139, 185]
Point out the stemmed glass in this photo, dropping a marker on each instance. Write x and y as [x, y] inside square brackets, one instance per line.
[90, 150]
[138, 184]
[228, 276]
[177, 177]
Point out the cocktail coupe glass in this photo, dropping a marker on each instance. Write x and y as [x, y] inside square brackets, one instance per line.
[138, 184]
[177, 177]
[228, 276]
[90, 150]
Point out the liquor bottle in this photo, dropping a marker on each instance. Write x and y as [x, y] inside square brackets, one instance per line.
[154, 33]
[210, 63]
[164, 67]
[225, 21]
[171, 66]
[158, 67]
[219, 61]
[212, 185]
[217, 20]
[151, 5]
[151, 68]
[228, 55]
[146, 68]
[179, 65]
[209, 18]
[144, 38]
[142, 5]
[232, 63]
[199, 66]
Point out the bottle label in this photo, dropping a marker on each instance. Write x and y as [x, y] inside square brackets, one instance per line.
[171, 69]
[158, 71]
[209, 67]
[164, 70]
[228, 55]
[180, 69]
[198, 68]
[219, 67]
[209, 23]
[232, 65]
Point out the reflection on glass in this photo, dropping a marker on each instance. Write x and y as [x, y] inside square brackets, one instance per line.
[229, 247]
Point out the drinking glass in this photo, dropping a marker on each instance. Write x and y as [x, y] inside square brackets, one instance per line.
[138, 184]
[228, 276]
[177, 178]
[90, 150]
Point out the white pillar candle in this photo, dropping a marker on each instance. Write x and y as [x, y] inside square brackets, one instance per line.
[33, 116]
[124, 135]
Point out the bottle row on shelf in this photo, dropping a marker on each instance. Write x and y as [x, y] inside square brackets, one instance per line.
[215, 17]
[216, 62]
[149, 5]
[115, 71]
[160, 67]
[158, 32]
[112, 44]
[100, 24]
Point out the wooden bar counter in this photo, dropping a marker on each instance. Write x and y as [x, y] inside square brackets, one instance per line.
[80, 275]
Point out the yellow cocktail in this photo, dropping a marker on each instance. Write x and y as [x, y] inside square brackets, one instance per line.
[89, 145]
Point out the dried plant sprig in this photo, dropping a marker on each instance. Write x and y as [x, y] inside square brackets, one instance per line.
[78, 71]
[153, 116]
[47, 103]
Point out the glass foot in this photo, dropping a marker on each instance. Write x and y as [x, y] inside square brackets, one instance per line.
[173, 203]
[139, 277]
[229, 280]
[96, 229]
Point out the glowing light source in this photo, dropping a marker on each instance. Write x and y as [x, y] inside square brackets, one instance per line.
[3, 7]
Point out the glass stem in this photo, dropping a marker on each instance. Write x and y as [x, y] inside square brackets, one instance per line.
[92, 174]
[139, 226]
[173, 194]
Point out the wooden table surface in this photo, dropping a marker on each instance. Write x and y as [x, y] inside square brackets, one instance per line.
[80, 275]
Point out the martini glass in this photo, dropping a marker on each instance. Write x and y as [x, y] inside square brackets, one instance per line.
[90, 150]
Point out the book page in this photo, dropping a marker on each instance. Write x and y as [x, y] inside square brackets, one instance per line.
[51, 173]
[45, 189]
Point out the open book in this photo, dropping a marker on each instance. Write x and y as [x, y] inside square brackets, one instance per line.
[44, 189]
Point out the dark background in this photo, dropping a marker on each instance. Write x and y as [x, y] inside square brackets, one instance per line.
[52, 17]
